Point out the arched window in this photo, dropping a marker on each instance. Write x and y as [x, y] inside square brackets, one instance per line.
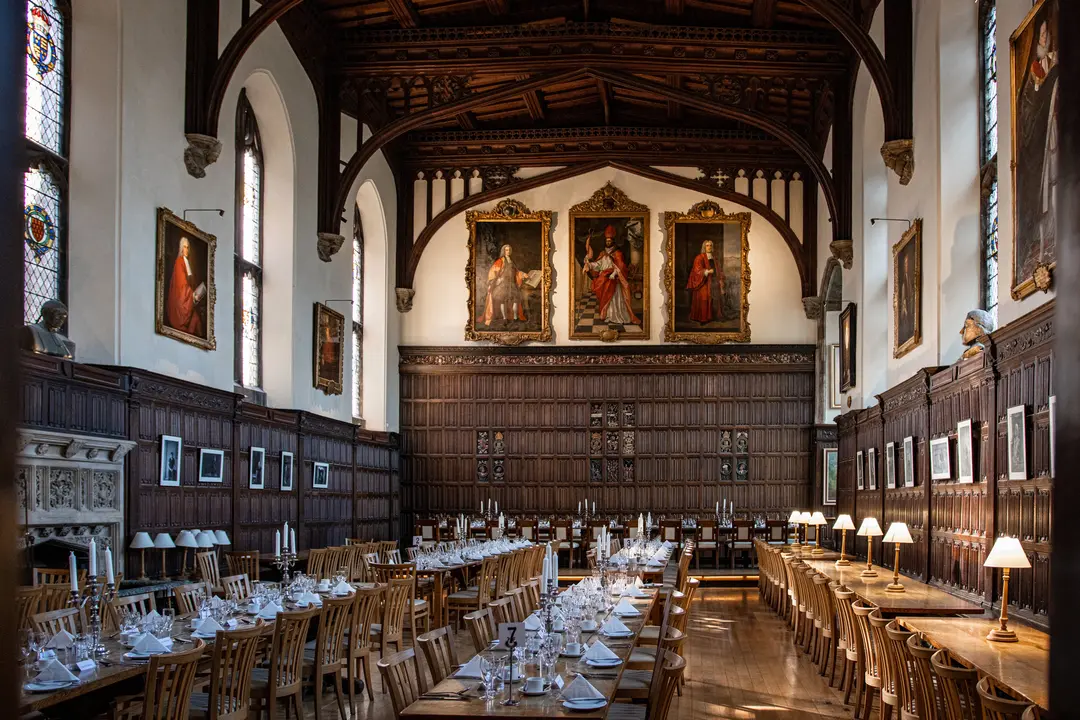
[248, 253]
[357, 317]
[45, 178]
[988, 155]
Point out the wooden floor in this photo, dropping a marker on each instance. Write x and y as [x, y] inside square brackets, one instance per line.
[740, 664]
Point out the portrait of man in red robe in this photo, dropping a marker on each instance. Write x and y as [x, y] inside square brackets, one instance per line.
[610, 281]
[505, 300]
[706, 286]
[184, 306]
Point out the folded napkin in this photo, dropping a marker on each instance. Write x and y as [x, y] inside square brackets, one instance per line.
[470, 670]
[654, 562]
[533, 622]
[625, 607]
[147, 644]
[342, 588]
[667, 544]
[60, 641]
[209, 627]
[270, 611]
[598, 651]
[456, 560]
[581, 689]
[638, 583]
[634, 591]
[307, 598]
[614, 626]
[53, 672]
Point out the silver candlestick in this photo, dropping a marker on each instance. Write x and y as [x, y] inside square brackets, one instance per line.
[90, 603]
[284, 563]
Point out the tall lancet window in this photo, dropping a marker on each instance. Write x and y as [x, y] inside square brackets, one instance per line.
[357, 317]
[45, 177]
[988, 156]
[249, 274]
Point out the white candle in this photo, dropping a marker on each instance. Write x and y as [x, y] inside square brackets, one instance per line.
[109, 577]
[481, 507]
[93, 558]
[277, 543]
[74, 572]
[593, 507]
[578, 507]
[497, 507]
[292, 541]
[285, 536]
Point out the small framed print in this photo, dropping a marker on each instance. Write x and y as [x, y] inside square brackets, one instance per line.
[1053, 424]
[965, 458]
[172, 449]
[320, 476]
[256, 471]
[1017, 435]
[909, 461]
[829, 476]
[890, 466]
[871, 468]
[211, 465]
[286, 471]
[939, 459]
[835, 396]
[859, 470]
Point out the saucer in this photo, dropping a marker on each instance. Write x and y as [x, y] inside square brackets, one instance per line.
[585, 704]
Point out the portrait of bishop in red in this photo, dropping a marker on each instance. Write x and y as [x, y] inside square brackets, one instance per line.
[609, 282]
[185, 294]
[706, 286]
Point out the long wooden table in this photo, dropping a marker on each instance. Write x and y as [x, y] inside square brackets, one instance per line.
[918, 598]
[1022, 667]
[546, 705]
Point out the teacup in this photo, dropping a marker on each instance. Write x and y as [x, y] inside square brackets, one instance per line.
[573, 648]
[324, 584]
[534, 684]
[589, 625]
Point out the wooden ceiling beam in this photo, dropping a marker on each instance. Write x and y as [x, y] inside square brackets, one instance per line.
[674, 109]
[763, 14]
[535, 105]
[674, 7]
[605, 100]
[404, 13]
[466, 120]
[496, 7]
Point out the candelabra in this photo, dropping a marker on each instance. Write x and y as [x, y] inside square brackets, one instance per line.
[93, 598]
[284, 563]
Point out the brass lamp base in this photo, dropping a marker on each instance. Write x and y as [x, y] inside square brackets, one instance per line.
[818, 551]
[868, 574]
[843, 562]
[894, 588]
[796, 546]
[999, 635]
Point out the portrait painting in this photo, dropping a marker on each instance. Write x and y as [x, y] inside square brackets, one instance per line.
[171, 453]
[329, 346]
[828, 475]
[320, 475]
[1035, 148]
[965, 459]
[847, 348]
[871, 468]
[1017, 438]
[907, 291]
[940, 468]
[211, 465]
[890, 466]
[609, 267]
[909, 461]
[287, 462]
[257, 469]
[859, 482]
[707, 275]
[184, 288]
[508, 274]
[835, 396]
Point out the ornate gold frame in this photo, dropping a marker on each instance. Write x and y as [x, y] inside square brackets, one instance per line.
[330, 387]
[609, 201]
[912, 234]
[165, 216]
[510, 211]
[705, 211]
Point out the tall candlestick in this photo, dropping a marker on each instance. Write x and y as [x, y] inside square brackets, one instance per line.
[109, 577]
[277, 543]
[74, 572]
[285, 536]
[292, 541]
[93, 558]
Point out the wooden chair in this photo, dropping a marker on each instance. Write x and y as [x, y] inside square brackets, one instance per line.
[777, 532]
[54, 621]
[55, 576]
[438, 647]
[418, 608]
[707, 542]
[244, 563]
[189, 596]
[901, 669]
[355, 560]
[503, 610]
[741, 541]
[527, 529]
[336, 561]
[469, 600]
[428, 529]
[957, 683]
[562, 538]
[391, 627]
[667, 676]
[481, 624]
[27, 602]
[170, 679]
[326, 655]
[385, 547]
[887, 668]
[282, 678]
[401, 675]
[871, 666]
[142, 604]
[365, 612]
[826, 605]
[209, 569]
[233, 661]
[671, 531]
[929, 697]
[1033, 713]
[998, 703]
[316, 563]
[237, 587]
[847, 640]
[54, 596]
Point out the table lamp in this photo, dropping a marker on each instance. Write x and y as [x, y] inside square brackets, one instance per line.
[843, 524]
[793, 519]
[185, 540]
[804, 518]
[141, 542]
[163, 542]
[1006, 553]
[817, 520]
[206, 540]
[898, 533]
[221, 538]
[869, 529]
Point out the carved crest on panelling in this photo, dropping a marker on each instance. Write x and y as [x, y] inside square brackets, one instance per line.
[628, 359]
[204, 399]
[609, 199]
[1040, 333]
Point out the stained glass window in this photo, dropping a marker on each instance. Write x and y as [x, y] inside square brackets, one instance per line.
[45, 74]
[989, 159]
[248, 254]
[358, 316]
[41, 254]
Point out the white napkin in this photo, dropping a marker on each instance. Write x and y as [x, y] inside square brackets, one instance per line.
[581, 689]
[638, 583]
[209, 627]
[614, 626]
[53, 672]
[625, 607]
[342, 588]
[634, 591]
[270, 611]
[60, 641]
[653, 562]
[559, 625]
[533, 622]
[667, 544]
[455, 560]
[147, 644]
[470, 670]
[308, 598]
[600, 651]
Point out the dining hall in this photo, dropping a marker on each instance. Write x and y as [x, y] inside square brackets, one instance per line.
[488, 359]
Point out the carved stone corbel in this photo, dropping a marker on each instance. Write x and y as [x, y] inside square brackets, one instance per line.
[329, 244]
[201, 152]
[842, 251]
[813, 306]
[899, 156]
[404, 297]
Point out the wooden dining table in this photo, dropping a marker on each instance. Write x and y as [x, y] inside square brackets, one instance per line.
[918, 598]
[1022, 667]
[605, 680]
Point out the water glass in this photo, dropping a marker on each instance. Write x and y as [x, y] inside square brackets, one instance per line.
[489, 673]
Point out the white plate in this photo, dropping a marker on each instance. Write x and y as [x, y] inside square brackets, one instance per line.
[618, 635]
[629, 614]
[594, 704]
[53, 686]
[614, 662]
[568, 655]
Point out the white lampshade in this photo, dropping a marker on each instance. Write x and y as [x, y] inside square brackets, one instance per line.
[141, 541]
[1007, 553]
[195, 532]
[164, 541]
[805, 517]
[186, 540]
[205, 539]
[818, 519]
[794, 517]
[222, 537]
[869, 527]
[898, 533]
[843, 522]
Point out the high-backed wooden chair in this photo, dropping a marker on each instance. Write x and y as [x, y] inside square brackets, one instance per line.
[209, 569]
[671, 531]
[998, 703]
[929, 697]
[901, 669]
[27, 601]
[438, 647]
[237, 587]
[189, 596]
[385, 547]
[527, 529]
[391, 626]
[887, 668]
[142, 604]
[401, 675]
[232, 663]
[562, 538]
[54, 596]
[49, 576]
[316, 563]
[667, 676]
[871, 666]
[957, 683]
[244, 562]
[418, 609]
[469, 600]
[54, 621]
[826, 616]
[520, 602]
[282, 677]
[170, 679]
[742, 541]
[336, 561]
[326, 655]
[847, 640]
[503, 610]
[365, 613]
[481, 624]
[428, 529]
[707, 542]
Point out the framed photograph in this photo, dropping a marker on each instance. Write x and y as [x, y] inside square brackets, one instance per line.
[1035, 148]
[1016, 430]
[329, 347]
[835, 396]
[939, 459]
[1053, 445]
[890, 466]
[707, 275]
[287, 467]
[509, 274]
[320, 476]
[871, 468]
[907, 290]
[184, 288]
[172, 449]
[828, 476]
[847, 347]
[965, 457]
[909, 461]
[609, 267]
[859, 470]
[257, 468]
[211, 465]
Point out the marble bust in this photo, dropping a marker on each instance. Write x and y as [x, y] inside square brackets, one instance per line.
[44, 336]
[977, 324]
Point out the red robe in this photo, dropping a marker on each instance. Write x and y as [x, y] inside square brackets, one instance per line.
[704, 305]
[603, 285]
[181, 305]
[508, 275]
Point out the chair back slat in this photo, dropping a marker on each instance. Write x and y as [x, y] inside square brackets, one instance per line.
[929, 697]
[401, 676]
[286, 661]
[237, 587]
[27, 602]
[54, 596]
[438, 647]
[54, 621]
[234, 657]
[663, 686]
[481, 624]
[957, 684]
[244, 563]
[209, 569]
[189, 596]
[998, 703]
[170, 679]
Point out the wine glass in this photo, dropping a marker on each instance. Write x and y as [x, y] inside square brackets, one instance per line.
[489, 673]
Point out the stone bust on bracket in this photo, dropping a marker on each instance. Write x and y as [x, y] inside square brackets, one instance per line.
[44, 336]
[977, 324]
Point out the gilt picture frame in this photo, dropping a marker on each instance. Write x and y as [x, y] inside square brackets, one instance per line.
[848, 339]
[328, 349]
[184, 289]
[907, 290]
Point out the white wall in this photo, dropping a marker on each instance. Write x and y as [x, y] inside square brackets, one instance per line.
[439, 308]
